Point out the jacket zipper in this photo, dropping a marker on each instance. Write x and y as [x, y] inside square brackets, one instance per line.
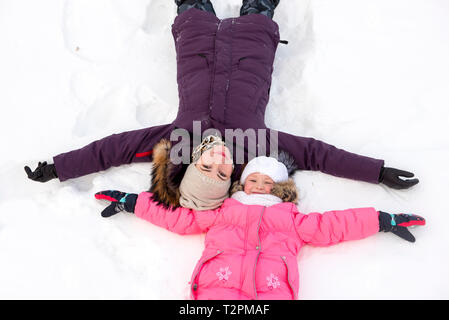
[258, 253]
[194, 285]
[214, 61]
[288, 277]
[245, 246]
[230, 69]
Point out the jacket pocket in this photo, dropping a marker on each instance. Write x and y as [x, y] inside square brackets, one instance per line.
[256, 77]
[193, 64]
[200, 265]
[289, 275]
[256, 67]
[193, 76]
[203, 56]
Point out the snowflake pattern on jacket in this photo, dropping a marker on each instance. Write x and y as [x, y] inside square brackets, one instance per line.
[223, 274]
[273, 281]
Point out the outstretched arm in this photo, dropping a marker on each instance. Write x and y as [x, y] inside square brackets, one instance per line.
[332, 227]
[114, 150]
[180, 220]
[312, 154]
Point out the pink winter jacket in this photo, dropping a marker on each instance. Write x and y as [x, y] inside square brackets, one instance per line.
[250, 250]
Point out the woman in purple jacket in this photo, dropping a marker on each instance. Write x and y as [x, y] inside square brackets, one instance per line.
[224, 69]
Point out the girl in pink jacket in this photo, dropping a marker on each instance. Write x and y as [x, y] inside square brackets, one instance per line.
[253, 238]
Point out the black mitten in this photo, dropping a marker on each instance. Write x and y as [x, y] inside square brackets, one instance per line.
[120, 201]
[398, 223]
[390, 177]
[43, 173]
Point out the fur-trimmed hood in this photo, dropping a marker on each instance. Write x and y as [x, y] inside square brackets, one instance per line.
[286, 190]
[167, 177]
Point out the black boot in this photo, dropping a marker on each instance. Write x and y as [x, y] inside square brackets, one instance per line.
[204, 5]
[265, 7]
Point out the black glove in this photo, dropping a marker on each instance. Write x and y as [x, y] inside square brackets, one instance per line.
[43, 173]
[390, 177]
[120, 201]
[398, 223]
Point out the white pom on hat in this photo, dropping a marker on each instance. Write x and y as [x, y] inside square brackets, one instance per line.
[265, 165]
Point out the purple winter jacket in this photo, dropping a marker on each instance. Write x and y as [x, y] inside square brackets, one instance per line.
[224, 69]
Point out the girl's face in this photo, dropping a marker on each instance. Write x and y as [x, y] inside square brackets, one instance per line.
[258, 183]
[216, 163]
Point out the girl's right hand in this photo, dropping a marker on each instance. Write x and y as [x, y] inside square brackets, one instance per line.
[119, 201]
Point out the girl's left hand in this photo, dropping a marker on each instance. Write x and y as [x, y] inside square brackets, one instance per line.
[398, 223]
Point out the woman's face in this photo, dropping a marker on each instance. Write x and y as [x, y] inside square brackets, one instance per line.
[216, 163]
[258, 183]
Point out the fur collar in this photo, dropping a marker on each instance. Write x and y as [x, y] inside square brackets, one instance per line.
[166, 177]
[286, 191]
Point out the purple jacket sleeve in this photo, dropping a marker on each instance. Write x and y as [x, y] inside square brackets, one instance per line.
[311, 154]
[114, 150]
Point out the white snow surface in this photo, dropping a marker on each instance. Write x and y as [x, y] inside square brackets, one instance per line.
[371, 77]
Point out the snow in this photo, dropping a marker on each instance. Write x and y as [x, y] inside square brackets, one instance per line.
[368, 77]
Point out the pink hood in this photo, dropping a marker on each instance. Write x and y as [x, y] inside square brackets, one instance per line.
[250, 250]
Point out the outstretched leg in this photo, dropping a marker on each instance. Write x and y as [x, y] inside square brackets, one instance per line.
[265, 7]
[204, 5]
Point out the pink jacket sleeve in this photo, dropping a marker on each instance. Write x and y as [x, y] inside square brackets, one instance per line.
[332, 227]
[181, 220]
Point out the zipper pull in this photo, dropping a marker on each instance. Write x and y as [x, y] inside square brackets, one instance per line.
[283, 41]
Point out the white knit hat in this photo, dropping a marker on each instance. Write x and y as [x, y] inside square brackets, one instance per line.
[266, 165]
